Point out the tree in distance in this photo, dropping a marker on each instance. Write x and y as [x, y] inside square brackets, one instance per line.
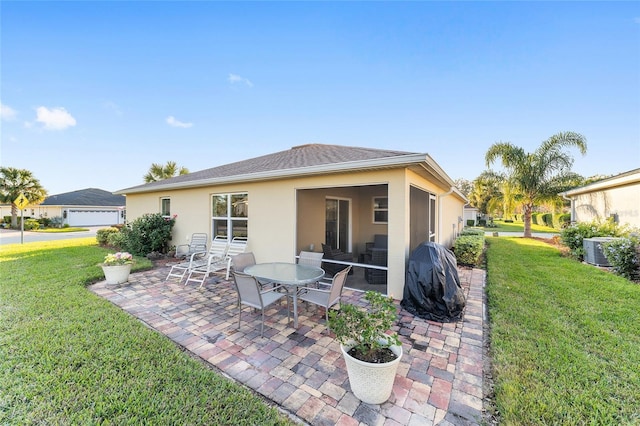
[159, 172]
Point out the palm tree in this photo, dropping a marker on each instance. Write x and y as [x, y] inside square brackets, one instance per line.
[485, 191]
[13, 182]
[540, 175]
[159, 172]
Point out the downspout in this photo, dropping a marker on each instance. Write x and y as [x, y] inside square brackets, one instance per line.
[573, 206]
[440, 197]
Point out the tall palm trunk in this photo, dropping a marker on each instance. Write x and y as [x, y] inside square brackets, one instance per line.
[14, 216]
[527, 209]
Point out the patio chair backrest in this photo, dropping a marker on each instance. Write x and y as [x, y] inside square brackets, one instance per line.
[240, 261]
[198, 242]
[310, 258]
[219, 247]
[248, 289]
[237, 246]
[337, 285]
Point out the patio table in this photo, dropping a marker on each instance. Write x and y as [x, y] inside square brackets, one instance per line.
[291, 275]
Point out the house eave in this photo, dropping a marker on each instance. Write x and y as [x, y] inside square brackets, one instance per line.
[613, 182]
[351, 166]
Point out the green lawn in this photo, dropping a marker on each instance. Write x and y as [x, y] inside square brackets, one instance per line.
[519, 227]
[565, 338]
[68, 356]
[60, 230]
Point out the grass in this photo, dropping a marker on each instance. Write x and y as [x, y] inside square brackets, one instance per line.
[519, 227]
[69, 357]
[60, 230]
[565, 338]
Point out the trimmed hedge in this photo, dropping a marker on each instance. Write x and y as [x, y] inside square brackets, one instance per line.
[102, 235]
[468, 246]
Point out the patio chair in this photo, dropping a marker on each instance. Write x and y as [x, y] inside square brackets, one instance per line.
[312, 258]
[199, 274]
[378, 258]
[250, 294]
[243, 260]
[199, 263]
[197, 244]
[326, 298]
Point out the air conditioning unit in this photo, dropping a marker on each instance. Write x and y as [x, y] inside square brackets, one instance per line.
[593, 250]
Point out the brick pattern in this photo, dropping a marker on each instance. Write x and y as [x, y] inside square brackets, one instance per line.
[439, 380]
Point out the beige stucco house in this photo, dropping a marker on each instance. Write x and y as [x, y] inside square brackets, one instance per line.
[617, 197]
[311, 195]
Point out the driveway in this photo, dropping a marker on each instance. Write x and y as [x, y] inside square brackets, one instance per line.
[12, 236]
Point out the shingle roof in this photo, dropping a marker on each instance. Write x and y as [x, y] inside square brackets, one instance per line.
[85, 197]
[299, 159]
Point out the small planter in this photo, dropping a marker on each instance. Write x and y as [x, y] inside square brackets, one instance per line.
[116, 274]
[371, 383]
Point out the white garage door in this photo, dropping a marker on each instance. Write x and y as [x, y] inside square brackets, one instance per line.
[92, 217]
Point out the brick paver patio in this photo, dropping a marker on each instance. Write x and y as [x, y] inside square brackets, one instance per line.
[439, 380]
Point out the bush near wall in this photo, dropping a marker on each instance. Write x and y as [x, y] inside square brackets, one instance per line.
[31, 224]
[102, 235]
[468, 247]
[624, 256]
[574, 235]
[147, 234]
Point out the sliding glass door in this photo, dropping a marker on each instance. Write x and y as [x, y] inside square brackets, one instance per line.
[338, 223]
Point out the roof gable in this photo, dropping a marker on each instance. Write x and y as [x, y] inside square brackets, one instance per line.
[85, 197]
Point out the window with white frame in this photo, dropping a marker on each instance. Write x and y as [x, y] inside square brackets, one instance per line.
[165, 206]
[230, 215]
[380, 209]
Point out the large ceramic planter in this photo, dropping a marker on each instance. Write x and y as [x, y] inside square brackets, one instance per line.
[116, 274]
[371, 383]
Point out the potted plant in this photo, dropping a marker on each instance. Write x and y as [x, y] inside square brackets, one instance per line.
[371, 352]
[116, 267]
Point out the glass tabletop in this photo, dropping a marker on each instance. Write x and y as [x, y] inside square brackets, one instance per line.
[286, 273]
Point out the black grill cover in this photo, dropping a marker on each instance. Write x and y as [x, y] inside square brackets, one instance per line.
[432, 289]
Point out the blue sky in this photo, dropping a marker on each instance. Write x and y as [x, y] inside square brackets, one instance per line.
[93, 93]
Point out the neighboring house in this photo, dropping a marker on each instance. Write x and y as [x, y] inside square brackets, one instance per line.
[617, 197]
[312, 194]
[85, 207]
[470, 213]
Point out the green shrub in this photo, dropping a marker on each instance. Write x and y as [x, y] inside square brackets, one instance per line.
[472, 231]
[561, 220]
[482, 222]
[31, 224]
[56, 221]
[149, 233]
[547, 219]
[622, 254]
[45, 222]
[468, 249]
[102, 235]
[572, 236]
[471, 222]
[116, 240]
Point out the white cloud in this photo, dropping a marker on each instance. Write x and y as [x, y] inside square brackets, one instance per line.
[7, 113]
[171, 120]
[55, 118]
[234, 78]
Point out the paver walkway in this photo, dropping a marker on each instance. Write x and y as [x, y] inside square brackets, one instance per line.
[439, 380]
